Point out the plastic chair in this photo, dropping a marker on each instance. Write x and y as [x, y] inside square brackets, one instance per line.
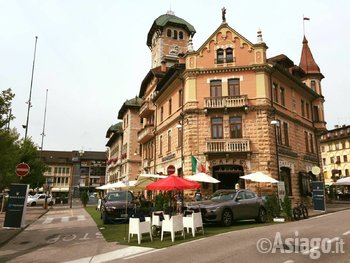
[157, 218]
[172, 224]
[139, 228]
[193, 221]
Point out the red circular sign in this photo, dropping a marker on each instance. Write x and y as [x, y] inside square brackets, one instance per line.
[22, 169]
[170, 169]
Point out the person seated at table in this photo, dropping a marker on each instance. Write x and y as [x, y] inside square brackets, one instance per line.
[198, 195]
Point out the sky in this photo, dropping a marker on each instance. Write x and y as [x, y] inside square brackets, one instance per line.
[92, 56]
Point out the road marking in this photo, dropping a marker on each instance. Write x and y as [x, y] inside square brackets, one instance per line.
[289, 261]
[346, 233]
[65, 219]
[81, 218]
[48, 220]
[120, 253]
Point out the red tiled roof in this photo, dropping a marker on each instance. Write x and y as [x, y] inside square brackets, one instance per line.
[307, 62]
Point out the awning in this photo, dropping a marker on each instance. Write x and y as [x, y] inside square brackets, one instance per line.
[60, 189]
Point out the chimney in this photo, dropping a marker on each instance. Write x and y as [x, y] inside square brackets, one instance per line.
[163, 66]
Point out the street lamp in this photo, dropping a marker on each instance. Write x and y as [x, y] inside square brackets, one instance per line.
[179, 126]
[275, 123]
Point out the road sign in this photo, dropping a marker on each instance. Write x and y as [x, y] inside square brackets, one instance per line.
[22, 169]
[171, 169]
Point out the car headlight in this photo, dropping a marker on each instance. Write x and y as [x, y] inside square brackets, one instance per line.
[213, 209]
[110, 208]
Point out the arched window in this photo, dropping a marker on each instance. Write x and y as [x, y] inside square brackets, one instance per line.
[175, 34]
[220, 56]
[181, 35]
[168, 33]
[229, 55]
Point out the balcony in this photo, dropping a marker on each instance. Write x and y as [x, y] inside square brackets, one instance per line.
[145, 134]
[227, 145]
[147, 109]
[225, 102]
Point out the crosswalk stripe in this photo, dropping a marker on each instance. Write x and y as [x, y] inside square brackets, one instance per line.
[65, 219]
[48, 220]
[81, 218]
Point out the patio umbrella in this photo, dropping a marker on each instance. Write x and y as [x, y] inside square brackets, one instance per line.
[172, 182]
[105, 187]
[259, 177]
[152, 176]
[202, 177]
[342, 181]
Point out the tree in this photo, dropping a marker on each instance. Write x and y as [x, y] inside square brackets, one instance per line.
[6, 97]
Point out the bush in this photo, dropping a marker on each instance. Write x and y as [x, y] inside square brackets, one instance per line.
[287, 208]
[272, 207]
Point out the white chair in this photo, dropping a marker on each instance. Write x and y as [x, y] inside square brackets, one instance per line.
[139, 228]
[156, 220]
[193, 221]
[172, 224]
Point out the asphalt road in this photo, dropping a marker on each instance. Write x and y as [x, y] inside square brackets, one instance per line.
[70, 235]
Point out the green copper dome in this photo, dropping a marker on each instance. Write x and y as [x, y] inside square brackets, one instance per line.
[169, 19]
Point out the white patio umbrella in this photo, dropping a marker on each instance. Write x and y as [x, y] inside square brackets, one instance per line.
[152, 176]
[342, 181]
[105, 187]
[259, 177]
[202, 177]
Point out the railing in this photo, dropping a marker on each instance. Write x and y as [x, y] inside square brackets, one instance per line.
[147, 108]
[225, 102]
[227, 145]
[145, 134]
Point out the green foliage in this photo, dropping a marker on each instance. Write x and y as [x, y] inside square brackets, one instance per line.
[287, 207]
[6, 97]
[272, 207]
[84, 197]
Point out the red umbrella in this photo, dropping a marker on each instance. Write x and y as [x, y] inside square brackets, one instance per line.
[172, 182]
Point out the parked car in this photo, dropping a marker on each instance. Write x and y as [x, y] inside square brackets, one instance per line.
[39, 199]
[117, 206]
[226, 206]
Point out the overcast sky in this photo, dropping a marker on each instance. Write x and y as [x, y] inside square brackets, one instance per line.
[92, 55]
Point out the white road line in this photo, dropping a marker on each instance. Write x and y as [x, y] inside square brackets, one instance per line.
[289, 261]
[48, 220]
[346, 233]
[81, 218]
[120, 253]
[65, 219]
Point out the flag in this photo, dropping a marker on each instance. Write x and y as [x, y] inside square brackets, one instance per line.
[197, 167]
[306, 18]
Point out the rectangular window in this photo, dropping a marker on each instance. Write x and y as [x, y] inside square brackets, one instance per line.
[322, 148]
[324, 161]
[345, 157]
[338, 159]
[161, 113]
[285, 133]
[161, 144]
[169, 140]
[306, 136]
[275, 92]
[215, 88]
[181, 102]
[302, 108]
[179, 137]
[307, 110]
[316, 114]
[278, 132]
[216, 128]
[233, 87]
[311, 139]
[236, 127]
[332, 159]
[282, 94]
[313, 85]
[170, 107]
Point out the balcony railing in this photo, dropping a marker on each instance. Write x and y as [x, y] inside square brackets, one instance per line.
[145, 134]
[225, 102]
[227, 145]
[146, 109]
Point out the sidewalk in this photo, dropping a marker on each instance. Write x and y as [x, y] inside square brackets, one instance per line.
[32, 215]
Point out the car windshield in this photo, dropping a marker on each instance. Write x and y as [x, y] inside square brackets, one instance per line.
[223, 196]
[119, 196]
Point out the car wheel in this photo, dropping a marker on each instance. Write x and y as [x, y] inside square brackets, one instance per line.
[33, 204]
[262, 217]
[226, 218]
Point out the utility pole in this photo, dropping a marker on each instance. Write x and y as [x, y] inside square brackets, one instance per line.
[30, 92]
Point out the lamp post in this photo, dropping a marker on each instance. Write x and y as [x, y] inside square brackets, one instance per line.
[275, 123]
[180, 128]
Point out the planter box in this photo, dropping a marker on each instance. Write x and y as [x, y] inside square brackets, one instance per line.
[279, 220]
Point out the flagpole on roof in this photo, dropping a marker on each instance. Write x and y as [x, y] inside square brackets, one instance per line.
[304, 18]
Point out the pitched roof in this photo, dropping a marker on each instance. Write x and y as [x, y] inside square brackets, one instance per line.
[153, 73]
[116, 128]
[169, 19]
[129, 104]
[307, 62]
